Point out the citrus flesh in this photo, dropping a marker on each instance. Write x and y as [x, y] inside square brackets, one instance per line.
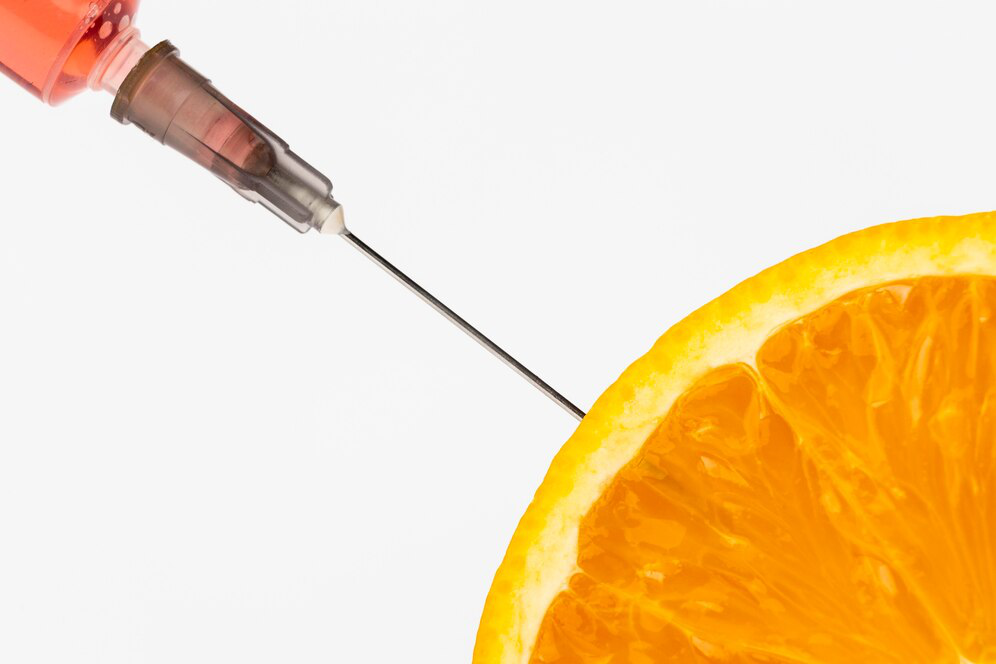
[802, 471]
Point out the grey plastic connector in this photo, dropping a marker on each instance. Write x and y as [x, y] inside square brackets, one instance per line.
[178, 107]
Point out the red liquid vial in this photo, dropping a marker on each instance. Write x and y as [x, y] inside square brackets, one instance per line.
[51, 47]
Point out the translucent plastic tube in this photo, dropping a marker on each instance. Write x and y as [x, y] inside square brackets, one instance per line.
[177, 106]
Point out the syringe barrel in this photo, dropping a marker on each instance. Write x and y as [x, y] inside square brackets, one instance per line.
[180, 108]
[51, 47]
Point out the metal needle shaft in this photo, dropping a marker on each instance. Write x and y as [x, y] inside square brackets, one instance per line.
[471, 331]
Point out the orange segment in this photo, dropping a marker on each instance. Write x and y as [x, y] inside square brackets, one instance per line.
[893, 391]
[829, 496]
[759, 518]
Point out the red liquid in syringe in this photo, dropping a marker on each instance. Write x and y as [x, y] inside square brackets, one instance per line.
[50, 46]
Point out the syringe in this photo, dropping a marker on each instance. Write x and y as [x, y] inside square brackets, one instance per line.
[56, 49]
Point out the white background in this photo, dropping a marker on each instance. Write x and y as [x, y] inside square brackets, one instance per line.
[223, 442]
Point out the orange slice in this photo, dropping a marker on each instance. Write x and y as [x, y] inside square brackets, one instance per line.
[804, 470]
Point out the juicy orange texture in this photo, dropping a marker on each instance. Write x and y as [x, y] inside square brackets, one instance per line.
[835, 502]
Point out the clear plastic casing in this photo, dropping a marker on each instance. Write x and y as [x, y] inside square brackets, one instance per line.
[178, 107]
[51, 47]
